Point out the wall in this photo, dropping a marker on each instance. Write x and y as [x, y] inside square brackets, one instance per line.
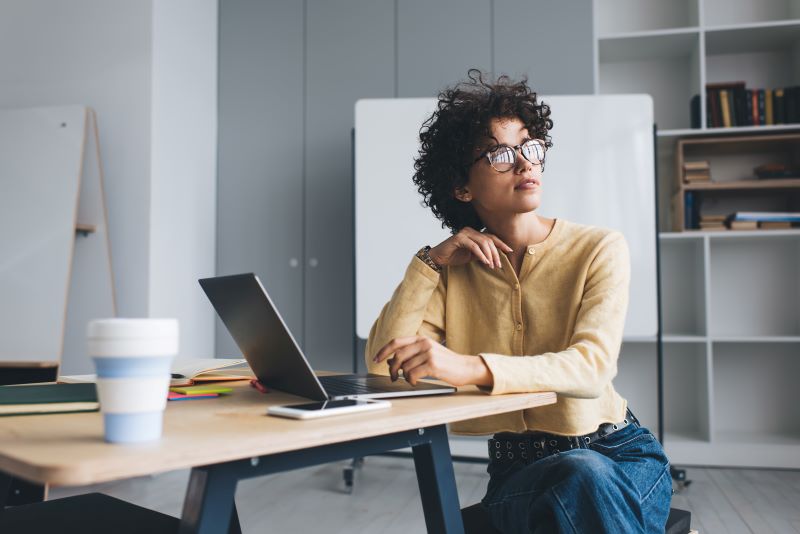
[95, 53]
[149, 70]
[184, 168]
[285, 180]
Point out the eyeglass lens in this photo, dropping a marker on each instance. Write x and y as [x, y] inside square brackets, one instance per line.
[505, 157]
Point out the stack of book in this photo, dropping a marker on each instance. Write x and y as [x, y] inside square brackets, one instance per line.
[712, 222]
[733, 104]
[696, 171]
[751, 220]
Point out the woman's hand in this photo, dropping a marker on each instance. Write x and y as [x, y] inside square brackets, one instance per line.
[467, 245]
[420, 356]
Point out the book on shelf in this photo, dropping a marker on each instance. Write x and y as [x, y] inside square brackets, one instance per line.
[696, 176]
[696, 165]
[768, 103]
[777, 96]
[712, 222]
[765, 216]
[773, 171]
[188, 372]
[710, 227]
[732, 104]
[743, 225]
[775, 225]
[691, 211]
[694, 111]
[725, 106]
[696, 171]
[48, 398]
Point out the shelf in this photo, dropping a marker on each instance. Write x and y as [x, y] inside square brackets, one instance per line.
[754, 289]
[727, 234]
[649, 33]
[755, 451]
[747, 39]
[733, 130]
[639, 339]
[755, 339]
[787, 183]
[673, 338]
[683, 301]
[718, 13]
[626, 16]
[643, 47]
[663, 66]
[754, 395]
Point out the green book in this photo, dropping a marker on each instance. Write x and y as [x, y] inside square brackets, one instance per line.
[48, 398]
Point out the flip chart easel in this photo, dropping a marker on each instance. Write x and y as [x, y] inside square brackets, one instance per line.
[55, 261]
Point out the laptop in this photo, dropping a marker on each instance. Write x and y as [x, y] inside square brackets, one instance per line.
[275, 357]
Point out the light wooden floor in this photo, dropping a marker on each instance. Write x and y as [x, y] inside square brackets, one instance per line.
[386, 500]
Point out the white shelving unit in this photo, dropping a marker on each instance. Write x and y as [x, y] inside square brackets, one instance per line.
[671, 49]
[730, 300]
[731, 316]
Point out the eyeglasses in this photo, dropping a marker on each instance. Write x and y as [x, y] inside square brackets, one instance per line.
[503, 158]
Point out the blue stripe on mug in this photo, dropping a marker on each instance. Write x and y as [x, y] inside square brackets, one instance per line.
[132, 427]
[129, 367]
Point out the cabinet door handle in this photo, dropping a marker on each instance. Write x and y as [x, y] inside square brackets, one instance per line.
[313, 262]
[293, 263]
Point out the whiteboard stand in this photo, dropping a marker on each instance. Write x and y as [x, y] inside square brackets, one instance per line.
[52, 204]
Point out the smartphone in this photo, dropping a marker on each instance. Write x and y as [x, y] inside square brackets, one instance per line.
[314, 410]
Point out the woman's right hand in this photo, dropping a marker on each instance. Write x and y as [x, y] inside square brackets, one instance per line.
[468, 245]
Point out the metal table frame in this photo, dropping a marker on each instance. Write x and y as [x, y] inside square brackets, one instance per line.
[209, 506]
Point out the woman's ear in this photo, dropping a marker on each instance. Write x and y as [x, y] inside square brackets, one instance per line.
[463, 194]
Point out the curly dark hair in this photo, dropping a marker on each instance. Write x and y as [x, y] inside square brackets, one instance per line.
[450, 136]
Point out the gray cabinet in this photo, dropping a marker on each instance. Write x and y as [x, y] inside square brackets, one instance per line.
[349, 55]
[260, 169]
[290, 74]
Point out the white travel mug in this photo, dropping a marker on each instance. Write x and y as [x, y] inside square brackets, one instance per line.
[132, 358]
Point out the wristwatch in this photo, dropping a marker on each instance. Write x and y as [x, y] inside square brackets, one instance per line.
[424, 255]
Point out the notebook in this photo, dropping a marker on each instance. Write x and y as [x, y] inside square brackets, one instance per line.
[48, 398]
[188, 372]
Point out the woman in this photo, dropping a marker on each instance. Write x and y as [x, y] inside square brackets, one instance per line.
[516, 302]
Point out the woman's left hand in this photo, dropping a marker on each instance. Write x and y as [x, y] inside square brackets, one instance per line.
[420, 357]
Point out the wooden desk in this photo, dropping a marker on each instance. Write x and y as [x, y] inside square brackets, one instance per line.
[230, 438]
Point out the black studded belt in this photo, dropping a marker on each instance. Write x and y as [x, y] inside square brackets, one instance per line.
[532, 446]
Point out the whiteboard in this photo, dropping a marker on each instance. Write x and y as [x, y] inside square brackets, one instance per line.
[600, 171]
[40, 167]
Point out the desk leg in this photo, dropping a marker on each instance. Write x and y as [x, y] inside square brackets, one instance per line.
[437, 483]
[209, 506]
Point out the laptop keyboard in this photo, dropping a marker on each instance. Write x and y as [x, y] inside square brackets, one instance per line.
[348, 385]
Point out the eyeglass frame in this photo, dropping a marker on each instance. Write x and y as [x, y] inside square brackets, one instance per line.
[515, 149]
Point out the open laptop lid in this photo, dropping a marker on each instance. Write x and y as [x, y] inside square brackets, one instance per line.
[258, 329]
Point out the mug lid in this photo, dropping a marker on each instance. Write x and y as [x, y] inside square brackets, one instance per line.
[132, 328]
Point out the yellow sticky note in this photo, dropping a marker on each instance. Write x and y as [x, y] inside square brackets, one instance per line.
[200, 390]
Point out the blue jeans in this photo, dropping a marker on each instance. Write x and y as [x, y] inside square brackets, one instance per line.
[621, 483]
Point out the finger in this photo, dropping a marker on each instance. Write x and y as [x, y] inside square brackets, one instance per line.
[403, 355]
[473, 247]
[495, 254]
[500, 243]
[418, 373]
[486, 247]
[415, 368]
[392, 346]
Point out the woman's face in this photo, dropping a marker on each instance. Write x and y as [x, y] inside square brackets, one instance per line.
[518, 190]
